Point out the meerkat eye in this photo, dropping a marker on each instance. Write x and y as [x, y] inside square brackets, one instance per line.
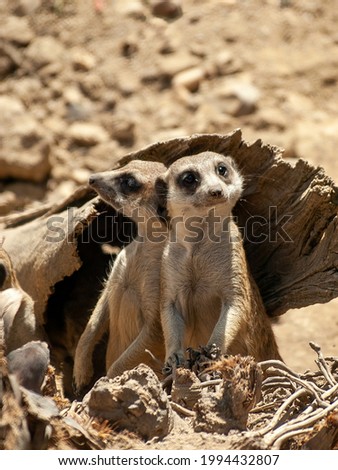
[129, 184]
[189, 179]
[222, 170]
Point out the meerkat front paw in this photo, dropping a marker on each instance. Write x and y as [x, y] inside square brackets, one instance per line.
[174, 361]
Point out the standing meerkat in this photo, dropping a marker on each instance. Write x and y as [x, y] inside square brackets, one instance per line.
[16, 308]
[208, 295]
[129, 305]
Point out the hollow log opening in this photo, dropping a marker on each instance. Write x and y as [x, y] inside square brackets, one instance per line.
[74, 298]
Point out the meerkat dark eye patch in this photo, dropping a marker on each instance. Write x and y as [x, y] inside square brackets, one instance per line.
[222, 170]
[129, 184]
[3, 274]
[189, 180]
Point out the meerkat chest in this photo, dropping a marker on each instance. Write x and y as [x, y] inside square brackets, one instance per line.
[141, 273]
[199, 279]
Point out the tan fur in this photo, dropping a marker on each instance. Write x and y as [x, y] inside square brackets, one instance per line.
[16, 308]
[208, 295]
[129, 305]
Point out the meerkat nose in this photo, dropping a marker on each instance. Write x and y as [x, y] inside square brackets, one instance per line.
[93, 179]
[216, 193]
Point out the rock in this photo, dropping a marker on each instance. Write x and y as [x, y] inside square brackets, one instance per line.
[82, 60]
[72, 94]
[77, 112]
[209, 119]
[8, 202]
[87, 134]
[224, 62]
[7, 66]
[186, 83]
[134, 401]
[169, 116]
[17, 195]
[121, 128]
[104, 156]
[43, 408]
[241, 96]
[189, 79]
[296, 104]
[127, 83]
[129, 46]
[92, 86]
[48, 72]
[271, 118]
[132, 9]
[168, 9]
[109, 99]
[44, 50]
[26, 166]
[29, 364]
[172, 64]
[27, 7]
[11, 108]
[16, 30]
[317, 142]
[78, 107]
[27, 89]
[24, 153]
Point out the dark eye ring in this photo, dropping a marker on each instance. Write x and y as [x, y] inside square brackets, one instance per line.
[189, 179]
[222, 170]
[129, 183]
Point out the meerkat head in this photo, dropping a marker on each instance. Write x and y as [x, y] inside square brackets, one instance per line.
[131, 189]
[196, 184]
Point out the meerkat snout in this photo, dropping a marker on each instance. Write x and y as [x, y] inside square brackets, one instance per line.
[92, 181]
[216, 193]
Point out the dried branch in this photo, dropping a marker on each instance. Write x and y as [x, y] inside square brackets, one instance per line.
[181, 410]
[322, 364]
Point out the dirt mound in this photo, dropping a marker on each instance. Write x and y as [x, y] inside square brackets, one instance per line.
[247, 406]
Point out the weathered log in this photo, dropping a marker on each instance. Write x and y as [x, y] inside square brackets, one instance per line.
[288, 215]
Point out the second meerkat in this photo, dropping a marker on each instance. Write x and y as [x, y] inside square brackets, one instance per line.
[129, 305]
[208, 295]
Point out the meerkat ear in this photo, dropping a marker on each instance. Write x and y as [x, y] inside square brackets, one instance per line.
[161, 190]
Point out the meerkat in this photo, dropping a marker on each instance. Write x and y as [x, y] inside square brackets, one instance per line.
[129, 305]
[207, 293]
[16, 308]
